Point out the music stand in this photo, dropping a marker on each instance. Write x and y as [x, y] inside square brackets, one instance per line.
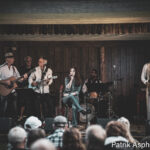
[25, 91]
[27, 94]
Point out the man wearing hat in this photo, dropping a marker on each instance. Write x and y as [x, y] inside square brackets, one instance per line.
[7, 70]
[60, 124]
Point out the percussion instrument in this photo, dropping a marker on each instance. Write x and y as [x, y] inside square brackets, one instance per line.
[89, 116]
[93, 95]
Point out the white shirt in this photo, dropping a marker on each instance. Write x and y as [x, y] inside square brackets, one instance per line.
[36, 77]
[6, 72]
[145, 76]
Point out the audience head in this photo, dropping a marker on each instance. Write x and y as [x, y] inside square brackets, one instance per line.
[116, 128]
[34, 135]
[32, 123]
[125, 121]
[42, 144]
[17, 137]
[72, 139]
[95, 136]
[60, 122]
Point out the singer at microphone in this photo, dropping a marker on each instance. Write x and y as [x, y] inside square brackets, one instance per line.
[71, 93]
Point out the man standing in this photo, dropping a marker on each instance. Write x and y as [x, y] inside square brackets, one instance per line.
[40, 81]
[7, 70]
[25, 98]
[145, 77]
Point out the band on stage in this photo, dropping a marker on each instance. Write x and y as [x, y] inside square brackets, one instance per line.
[26, 91]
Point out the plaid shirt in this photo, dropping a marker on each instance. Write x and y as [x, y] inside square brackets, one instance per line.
[56, 137]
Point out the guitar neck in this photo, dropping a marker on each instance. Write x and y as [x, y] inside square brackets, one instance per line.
[23, 75]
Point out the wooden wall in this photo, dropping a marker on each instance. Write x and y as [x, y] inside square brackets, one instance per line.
[129, 58]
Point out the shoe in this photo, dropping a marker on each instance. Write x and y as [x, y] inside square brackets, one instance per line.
[88, 111]
[20, 119]
[84, 112]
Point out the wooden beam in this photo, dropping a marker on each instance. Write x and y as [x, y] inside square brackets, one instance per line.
[75, 37]
[78, 18]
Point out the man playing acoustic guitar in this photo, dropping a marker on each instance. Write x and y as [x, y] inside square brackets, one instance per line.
[8, 79]
[40, 80]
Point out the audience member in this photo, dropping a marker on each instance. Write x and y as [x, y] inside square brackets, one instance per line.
[117, 137]
[126, 122]
[60, 124]
[34, 135]
[95, 137]
[17, 138]
[42, 144]
[32, 123]
[72, 140]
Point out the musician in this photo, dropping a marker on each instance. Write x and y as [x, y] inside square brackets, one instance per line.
[91, 87]
[8, 70]
[42, 90]
[26, 68]
[145, 78]
[92, 84]
[24, 98]
[71, 93]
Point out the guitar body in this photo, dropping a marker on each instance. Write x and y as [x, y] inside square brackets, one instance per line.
[4, 90]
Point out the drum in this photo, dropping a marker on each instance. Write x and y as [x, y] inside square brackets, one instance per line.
[93, 95]
[89, 116]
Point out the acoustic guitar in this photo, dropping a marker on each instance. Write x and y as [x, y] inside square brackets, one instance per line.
[6, 89]
[42, 82]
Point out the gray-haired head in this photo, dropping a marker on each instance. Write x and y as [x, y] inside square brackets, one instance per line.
[60, 121]
[43, 144]
[17, 136]
[125, 121]
[95, 135]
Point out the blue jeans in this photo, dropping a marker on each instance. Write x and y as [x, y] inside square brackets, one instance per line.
[75, 106]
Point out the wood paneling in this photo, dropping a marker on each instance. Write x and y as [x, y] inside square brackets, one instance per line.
[49, 29]
[128, 57]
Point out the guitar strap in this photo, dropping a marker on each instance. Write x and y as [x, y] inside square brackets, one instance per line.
[14, 71]
[44, 73]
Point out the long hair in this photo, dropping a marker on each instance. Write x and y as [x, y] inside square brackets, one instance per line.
[78, 80]
[72, 140]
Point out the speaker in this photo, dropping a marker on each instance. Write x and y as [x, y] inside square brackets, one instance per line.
[49, 125]
[103, 121]
[147, 127]
[6, 124]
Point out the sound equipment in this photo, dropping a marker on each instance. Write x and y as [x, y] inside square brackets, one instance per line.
[6, 124]
[103, 121]
[147, 127]
[6, 89]
[49, 125]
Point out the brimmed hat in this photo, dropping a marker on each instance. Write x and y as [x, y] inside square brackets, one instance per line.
[9, 55]
[32, 123]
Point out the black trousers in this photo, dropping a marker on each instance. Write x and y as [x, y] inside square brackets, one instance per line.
[47, 104]
[8, 105]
